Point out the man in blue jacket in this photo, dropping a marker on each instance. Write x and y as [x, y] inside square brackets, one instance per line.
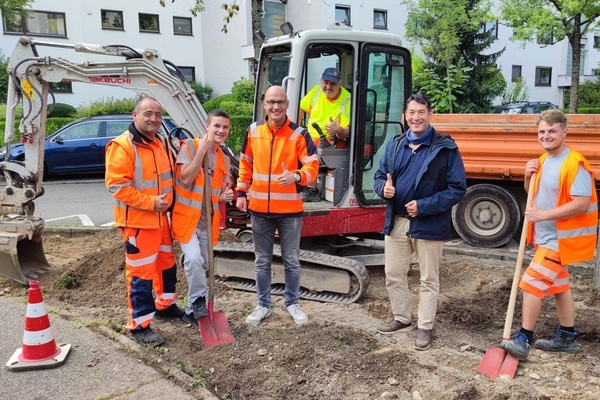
[422, 176]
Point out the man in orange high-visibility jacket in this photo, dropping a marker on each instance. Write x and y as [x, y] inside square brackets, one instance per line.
[563, 222]
[278, 158]
[189, 213]
[139, 176]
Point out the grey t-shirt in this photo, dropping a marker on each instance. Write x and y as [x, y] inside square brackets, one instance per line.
[545, 233]
[183, 158]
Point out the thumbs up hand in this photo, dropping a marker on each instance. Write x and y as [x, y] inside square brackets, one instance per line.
[333, 128]
[287, 177]
[227, 194]
[389, 190]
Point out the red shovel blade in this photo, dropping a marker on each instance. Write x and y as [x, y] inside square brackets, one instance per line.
[497, 362]
[214, 328]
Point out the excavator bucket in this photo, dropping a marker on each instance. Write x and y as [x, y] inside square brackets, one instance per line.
[22, 255]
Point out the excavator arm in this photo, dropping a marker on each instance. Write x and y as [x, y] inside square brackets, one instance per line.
[30, 74]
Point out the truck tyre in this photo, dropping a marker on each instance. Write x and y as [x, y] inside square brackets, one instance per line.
[488, 216]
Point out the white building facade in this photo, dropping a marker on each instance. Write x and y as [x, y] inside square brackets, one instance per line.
[207, 55]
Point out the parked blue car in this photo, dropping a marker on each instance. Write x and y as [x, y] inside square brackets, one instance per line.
[79, 147]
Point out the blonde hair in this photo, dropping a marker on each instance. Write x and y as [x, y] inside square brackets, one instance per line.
[551, 117]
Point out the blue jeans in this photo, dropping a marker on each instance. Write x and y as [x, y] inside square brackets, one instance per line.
[263, 235]
[195, 265]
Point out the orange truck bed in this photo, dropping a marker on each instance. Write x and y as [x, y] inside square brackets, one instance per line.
[497, 146]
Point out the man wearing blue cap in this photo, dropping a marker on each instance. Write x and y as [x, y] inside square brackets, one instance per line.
[328, 105]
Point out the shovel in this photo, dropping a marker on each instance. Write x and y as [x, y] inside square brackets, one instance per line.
[497, 361]
[214, 327]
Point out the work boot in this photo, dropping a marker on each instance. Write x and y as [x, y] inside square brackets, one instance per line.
[423, 339]
[311, 195]
[562, 341]
[297, 313]
[197, 311]
[147, 337]
[173, 311]
[518, 347]
[258, 315]
[393, 326]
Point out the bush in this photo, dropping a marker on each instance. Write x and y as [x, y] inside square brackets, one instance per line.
[243, 91]
[61, 110]
[239, 124]
[203, 92]
[236, 108]
[106, 106]
[216, 102]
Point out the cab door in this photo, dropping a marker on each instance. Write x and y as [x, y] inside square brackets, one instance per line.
[384, 83]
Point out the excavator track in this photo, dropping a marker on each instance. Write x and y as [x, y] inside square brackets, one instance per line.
[325, 277]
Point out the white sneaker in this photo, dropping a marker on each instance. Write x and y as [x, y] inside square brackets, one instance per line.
[297, 313]
[258, 315]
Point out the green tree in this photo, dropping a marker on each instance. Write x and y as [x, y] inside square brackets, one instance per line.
[3, 77]
[551, 21]
[516, 92]
[455, 72]
[12, 7]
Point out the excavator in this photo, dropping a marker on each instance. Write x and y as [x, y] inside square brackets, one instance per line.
[341, 234]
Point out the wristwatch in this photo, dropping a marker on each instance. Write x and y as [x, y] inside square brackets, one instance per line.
[297, 176]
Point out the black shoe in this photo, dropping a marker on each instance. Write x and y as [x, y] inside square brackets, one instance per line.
[173, 311]
[199, 307]
[147, 337]
[189, 319]
[311, 195]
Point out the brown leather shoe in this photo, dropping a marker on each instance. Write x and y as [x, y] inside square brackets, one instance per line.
[393, 326]
[423, 339]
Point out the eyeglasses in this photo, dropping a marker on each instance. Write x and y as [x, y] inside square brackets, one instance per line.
[273, 102]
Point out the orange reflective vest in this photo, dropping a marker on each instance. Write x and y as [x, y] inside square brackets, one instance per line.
[264, 150]
[188, 199]
[136, 173]
[576, 235]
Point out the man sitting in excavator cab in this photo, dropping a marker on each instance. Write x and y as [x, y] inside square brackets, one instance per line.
[328, 107]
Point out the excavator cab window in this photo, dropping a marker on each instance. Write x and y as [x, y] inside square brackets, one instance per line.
[384, 83]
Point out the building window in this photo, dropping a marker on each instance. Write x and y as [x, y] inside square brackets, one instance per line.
[380, 19]
[61, 87]
[273, 17]
[516, 72]
[112, 19]
[189, 73]
[491, 27]
[182, 26]
[342, 14]
[44, 23]
[149, 23]
[596, 42]
[543, 76]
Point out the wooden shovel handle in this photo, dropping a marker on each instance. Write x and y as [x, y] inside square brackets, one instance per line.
[510, 313]
[207, 200]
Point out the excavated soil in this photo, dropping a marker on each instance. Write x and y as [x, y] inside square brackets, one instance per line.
[338, 354]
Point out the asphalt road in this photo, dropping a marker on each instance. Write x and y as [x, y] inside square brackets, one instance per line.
[75, 202]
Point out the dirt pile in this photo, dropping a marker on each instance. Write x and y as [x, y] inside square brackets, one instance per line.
[338, 354]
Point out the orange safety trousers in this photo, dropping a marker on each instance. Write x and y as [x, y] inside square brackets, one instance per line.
[546, 275]
[149, 264]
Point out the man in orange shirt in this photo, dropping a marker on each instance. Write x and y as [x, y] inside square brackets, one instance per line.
[139, 176]
[277, 159]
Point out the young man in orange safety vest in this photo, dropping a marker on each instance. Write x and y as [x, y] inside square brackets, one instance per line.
[563, 220]
[189, 213]
[139, 176]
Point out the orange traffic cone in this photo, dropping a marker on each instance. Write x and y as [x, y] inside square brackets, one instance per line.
[39, 347]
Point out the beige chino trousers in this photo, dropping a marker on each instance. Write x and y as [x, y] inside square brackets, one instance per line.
[398, 250]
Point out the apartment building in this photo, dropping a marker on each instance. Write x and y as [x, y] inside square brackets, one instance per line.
[204, 53]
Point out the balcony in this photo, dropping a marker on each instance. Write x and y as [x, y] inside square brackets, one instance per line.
[565, 80]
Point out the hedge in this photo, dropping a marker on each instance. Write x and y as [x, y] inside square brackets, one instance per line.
[52, 125]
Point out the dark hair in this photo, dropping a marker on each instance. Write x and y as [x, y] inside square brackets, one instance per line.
[217, 112]
[419, 98]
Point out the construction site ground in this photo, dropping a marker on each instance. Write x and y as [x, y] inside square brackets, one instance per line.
[338, 354]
